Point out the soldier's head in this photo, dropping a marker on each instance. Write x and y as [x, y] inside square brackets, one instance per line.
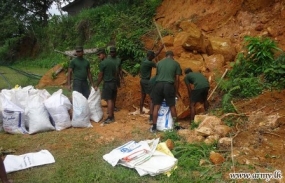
[101, 53]
[150, 54]
[169, 54]
[187, 70]
[113, 51]
[79, 51]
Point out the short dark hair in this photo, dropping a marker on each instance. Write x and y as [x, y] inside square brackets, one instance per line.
[150, 53]
[113, 49]
[187, 70]
[169, 53]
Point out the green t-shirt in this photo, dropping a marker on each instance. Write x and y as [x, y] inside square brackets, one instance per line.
[109, 69]
[167, 69]
[79, 68]
[197, 79]
[117, 60]
[146, 67]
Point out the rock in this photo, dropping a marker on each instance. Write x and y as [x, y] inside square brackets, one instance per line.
[204, 131]
[193, 37]
[210, 122]
[215, 63]
[224, 142]
[199, 118]
[222, 130]
[222, 46]
[170, 144]
[212, 139]
[190, 136]
[216, 158]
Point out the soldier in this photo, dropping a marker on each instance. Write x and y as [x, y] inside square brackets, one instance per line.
[108, 73]
[79, 71]
[200, 91]
[166, 87]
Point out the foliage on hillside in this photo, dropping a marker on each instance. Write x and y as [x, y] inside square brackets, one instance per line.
[121, 24]
[260, 67]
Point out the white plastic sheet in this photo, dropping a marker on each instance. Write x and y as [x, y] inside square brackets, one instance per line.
[141, 156]
[14, 163]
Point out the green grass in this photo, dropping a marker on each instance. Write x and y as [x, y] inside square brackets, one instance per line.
[81, 160]
[13, 78]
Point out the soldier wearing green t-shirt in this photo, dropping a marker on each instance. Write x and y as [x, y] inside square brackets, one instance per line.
[199, 92]
[79, 71]
[145, 73]
[166, 87]
[108, 73]
[119, 77]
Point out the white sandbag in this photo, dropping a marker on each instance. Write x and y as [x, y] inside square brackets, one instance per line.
[58, 105]
[164, 119]
[10, 95]
[37, 115]
[44, 94]
[94, 102]
[81, 111]
[13, 117]
[22, 96]
[14, 163]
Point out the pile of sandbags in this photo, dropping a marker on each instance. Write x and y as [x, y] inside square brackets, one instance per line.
[28, 110]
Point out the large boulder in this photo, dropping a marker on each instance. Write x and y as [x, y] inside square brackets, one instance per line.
[193, 39]
[222, 46]
[215, 62]
[194, 61]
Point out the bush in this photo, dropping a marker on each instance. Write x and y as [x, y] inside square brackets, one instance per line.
[254, 70]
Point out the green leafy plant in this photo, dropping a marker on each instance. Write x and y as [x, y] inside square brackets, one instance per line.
[53, 75]
[254, 70]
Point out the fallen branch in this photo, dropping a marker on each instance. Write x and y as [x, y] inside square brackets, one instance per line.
[218, 84]
[234, 107]
[233, 114]
[126, 72]
[159, 34]
[70, 55]
[273, 134]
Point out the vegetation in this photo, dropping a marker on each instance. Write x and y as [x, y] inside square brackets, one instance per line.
[259, 67]
[79, 154]
[120, 23]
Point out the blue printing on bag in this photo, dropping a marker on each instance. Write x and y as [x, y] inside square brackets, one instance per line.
[162, 112]
[125, 149]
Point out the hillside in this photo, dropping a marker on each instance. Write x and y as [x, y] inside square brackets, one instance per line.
[206, 35]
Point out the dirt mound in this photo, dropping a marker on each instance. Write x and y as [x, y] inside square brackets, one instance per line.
[50, 78]
[228, 19]
[260, 141]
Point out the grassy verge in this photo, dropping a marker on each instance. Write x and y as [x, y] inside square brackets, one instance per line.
[9, 78]
[78, 155]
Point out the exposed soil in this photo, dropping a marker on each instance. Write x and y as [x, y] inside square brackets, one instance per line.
[256, 142]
